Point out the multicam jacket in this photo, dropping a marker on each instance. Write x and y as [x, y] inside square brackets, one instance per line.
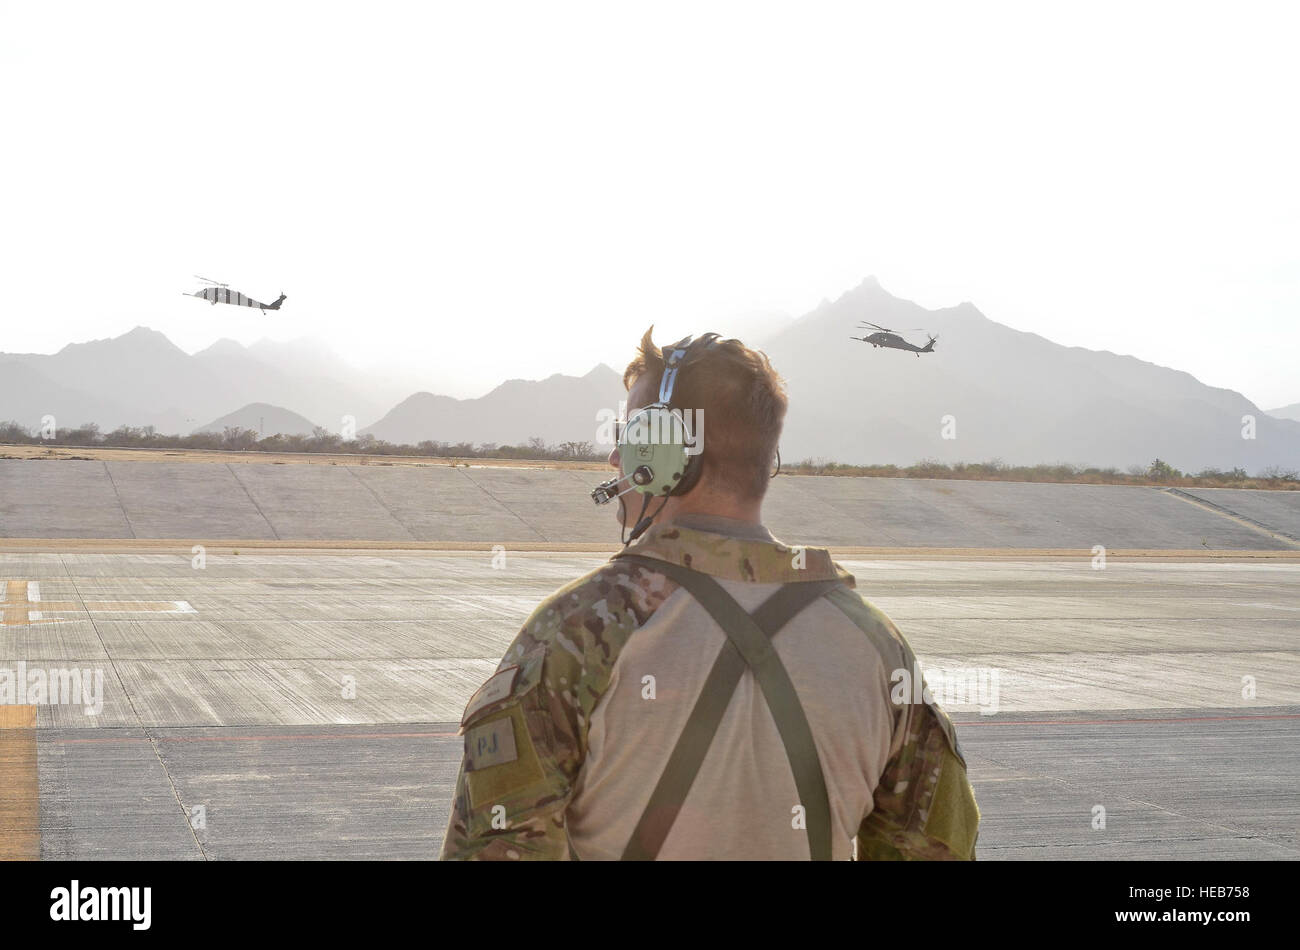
[566, 741]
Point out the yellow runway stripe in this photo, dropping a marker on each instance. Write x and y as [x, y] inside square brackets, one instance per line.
[13, 609]
[20, 805]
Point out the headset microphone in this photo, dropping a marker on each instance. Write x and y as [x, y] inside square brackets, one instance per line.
[606, 492]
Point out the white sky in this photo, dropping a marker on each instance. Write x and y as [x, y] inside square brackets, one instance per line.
[494, 190]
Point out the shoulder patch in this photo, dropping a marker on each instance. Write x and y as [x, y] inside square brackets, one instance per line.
[497, 688]
[502, 766]
[492, 743]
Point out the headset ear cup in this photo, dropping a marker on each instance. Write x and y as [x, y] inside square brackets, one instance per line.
[691, 464]
[691, 476]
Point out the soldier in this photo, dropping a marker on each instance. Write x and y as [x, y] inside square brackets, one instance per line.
[710, 692]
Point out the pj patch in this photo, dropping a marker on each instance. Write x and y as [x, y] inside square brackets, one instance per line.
[492, 743]
[501, 766]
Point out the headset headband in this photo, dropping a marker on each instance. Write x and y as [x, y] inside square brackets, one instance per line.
[675, 358]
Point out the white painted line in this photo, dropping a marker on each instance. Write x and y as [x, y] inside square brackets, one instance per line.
[33, 590]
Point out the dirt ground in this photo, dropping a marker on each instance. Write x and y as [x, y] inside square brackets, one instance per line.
[57, 452]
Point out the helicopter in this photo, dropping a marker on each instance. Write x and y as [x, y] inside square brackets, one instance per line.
[221, 293]
[889, 338]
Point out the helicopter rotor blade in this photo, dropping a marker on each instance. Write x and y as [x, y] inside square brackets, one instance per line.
[211, 281]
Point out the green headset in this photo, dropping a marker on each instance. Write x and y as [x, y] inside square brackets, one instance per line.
[657, 449]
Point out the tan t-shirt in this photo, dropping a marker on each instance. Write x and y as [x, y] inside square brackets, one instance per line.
[566, 742]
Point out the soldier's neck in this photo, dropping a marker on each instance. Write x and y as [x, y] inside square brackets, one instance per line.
[711, 511]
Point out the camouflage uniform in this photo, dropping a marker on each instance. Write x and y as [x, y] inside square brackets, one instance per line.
[528, 730]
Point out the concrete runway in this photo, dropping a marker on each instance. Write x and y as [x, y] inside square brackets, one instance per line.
[276, 502]
[225, 732]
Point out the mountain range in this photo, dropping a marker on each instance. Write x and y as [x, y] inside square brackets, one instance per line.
[141, 378]
[557, 409]
[1010, 394]
[987, 391]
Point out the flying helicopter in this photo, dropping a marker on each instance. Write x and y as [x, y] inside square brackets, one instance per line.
[890, 339]
[217, 293]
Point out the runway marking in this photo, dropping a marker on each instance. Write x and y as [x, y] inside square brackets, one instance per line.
[23, 606]
[1230, 515]
[20, 800]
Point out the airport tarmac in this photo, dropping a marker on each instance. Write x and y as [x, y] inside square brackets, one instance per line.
[1165, 693]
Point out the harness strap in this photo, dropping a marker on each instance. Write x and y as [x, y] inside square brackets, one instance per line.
[748, 645]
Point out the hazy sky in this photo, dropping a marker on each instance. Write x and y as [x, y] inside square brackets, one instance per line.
[494, 190]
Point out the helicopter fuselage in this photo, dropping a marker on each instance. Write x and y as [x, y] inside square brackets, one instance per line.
[895, 342]
[216, 295]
